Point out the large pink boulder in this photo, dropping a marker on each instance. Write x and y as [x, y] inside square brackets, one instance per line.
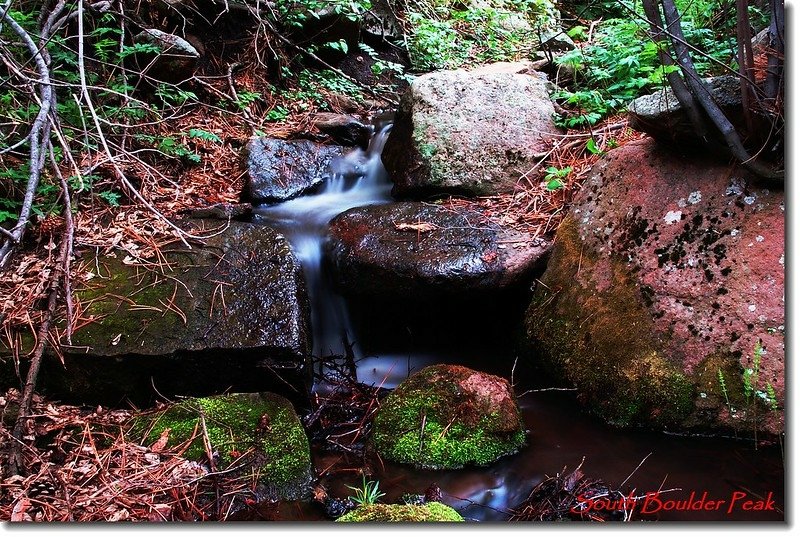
[663, 301]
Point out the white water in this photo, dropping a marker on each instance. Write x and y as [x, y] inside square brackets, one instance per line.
[357, 179]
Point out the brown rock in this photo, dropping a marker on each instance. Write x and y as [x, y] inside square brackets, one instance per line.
[668, 273]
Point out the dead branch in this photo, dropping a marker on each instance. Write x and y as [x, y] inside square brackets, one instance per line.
[38, 137]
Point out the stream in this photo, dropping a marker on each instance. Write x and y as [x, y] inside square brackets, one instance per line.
[388, 340]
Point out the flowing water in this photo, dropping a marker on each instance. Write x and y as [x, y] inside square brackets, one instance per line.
[390, 340]
[357, 179]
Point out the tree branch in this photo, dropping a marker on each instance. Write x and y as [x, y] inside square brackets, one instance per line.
[38, 139]
[703, 96]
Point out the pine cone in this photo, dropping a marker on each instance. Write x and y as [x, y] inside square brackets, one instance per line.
[50, 225]
[42, 487]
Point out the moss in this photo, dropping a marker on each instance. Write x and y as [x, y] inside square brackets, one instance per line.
[431, 422]
[429, 512]
[597, 334]
[264, 424]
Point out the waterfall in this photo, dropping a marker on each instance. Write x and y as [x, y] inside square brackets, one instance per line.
[357, 179]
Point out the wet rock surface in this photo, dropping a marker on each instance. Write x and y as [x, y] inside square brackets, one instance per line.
[279, 170]
[411, 247]
[261, 431]
[668, 275]
[230, 313]
[449, 416]
[344, 129]
[468, 133]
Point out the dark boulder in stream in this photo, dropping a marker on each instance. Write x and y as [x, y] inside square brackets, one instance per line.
[472, 133]
[663, 300]
[232, 313]
[279, 170]
[449, 416]
[400, 249]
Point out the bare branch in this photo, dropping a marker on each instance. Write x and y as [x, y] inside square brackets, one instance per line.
[38, 139]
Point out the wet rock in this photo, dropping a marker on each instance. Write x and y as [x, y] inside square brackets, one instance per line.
[260, 431]
[173, 63]
[449, 416]
[668, 274]
[279, 170]
[343, 129]
[661, 115]
[402, 249]
[468, 133]
[231, 314]
[223, 211]
[430, 512]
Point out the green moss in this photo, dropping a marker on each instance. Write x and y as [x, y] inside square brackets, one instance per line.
[598, 335]
[429, 512]
[423, 423]
[264, 425]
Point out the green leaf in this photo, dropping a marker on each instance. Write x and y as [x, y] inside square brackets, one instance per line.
[554, 184]
[591, 147]
[204, 135]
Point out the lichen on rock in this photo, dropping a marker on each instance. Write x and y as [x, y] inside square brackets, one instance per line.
[448, 416]
[667, 276]
[263, 428]
[429, 512]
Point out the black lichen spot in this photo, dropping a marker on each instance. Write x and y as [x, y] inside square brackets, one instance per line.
[647, 294]
[715, 305]
[722, 291]
[709, 274]
[734, 336]
[725, 271]
[693, 330]
[722, 318]
[750, 326]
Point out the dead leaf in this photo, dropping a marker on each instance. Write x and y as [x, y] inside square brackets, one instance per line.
[419, 227]
[489, 257]
[161, 443]
[19, 513]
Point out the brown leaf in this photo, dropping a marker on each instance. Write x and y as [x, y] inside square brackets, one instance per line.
[419, 227]
[19, 513]
[161, 443]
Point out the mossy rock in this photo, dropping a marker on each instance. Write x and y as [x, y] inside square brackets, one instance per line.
[447, 416]
[429, 512]
[263, 424]
[601, 339]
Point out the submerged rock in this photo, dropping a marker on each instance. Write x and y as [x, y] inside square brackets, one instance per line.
[468, 133]
[449, 416]
[401, 249]
[279, 170]
[378, 512]
[665, 279]
[261, 430]
[230, 313]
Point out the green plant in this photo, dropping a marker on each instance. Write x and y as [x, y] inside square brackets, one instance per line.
[621, 62]
[723, 387]
[367, 494]
[554, 177]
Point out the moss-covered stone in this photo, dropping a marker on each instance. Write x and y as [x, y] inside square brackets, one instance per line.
[597, 335]
[231, 313]
[262, 427]
[429, 512]
[447, 417]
